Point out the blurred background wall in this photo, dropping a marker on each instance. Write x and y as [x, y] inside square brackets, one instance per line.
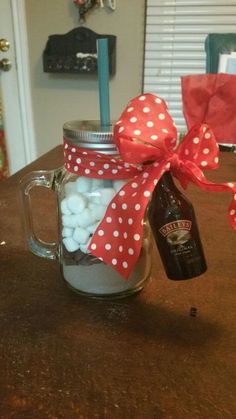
[60, 98]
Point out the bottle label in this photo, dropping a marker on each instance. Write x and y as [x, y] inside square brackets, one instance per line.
[177, 232]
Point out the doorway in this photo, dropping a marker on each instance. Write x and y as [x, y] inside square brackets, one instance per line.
[17, 115]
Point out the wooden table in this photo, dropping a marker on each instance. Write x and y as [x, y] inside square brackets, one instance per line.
[145, 357]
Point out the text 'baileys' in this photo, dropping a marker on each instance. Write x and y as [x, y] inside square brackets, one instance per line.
[175, 230]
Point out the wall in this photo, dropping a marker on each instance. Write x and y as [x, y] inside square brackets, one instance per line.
[60, 98]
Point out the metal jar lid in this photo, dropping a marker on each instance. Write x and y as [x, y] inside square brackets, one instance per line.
[90, 134]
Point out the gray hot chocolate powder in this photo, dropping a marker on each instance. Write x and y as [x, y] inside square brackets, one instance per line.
[101, 279]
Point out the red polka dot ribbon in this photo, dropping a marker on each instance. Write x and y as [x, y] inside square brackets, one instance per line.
[146, 138]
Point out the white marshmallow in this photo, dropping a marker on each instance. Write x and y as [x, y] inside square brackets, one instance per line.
[70, 244]
[91, 205]
[106, 195]
[81, 235]
[85, 218]
[67, 232]
[118, 184]
[64, 208]
[94, 196]
[84, 247]
[96, 184]
[93, 227]
[70, 188]
[83, 184]
[69, 220]
[76, 203]
[98, 210]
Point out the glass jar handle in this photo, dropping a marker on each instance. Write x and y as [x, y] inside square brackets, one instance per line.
[44, 178]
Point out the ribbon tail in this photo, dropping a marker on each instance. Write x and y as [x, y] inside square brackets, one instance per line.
[196, 176]
[123, 222]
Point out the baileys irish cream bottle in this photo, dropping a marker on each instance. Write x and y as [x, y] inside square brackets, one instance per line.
[175, 230]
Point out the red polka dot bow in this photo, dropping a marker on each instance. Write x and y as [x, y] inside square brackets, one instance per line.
[147, 141]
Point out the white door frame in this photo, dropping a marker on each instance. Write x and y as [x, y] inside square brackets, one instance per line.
[18, 120]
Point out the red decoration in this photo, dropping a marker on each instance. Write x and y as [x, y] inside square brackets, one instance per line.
[146, 138]
[84, 6]
[211, 99]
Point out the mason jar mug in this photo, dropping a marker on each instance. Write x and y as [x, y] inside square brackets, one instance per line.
[83, 196]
